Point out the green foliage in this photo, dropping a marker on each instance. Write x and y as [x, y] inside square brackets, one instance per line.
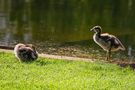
[52, 74]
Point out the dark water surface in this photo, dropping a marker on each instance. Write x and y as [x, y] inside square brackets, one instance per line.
[62, 21]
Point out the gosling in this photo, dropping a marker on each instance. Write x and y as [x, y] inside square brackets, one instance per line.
[25, 52]
[106, 41]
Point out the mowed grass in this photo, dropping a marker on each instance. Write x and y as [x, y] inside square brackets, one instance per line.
[50, 74]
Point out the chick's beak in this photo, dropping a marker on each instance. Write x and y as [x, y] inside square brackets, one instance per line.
[91, 29]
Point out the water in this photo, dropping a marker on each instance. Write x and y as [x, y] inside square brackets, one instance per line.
[66, 20]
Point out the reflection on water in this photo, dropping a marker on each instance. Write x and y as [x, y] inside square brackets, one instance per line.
[66, 20]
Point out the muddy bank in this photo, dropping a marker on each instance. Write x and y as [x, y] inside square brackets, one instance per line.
[81, 49]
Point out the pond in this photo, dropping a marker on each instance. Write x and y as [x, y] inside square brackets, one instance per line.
[66, 21]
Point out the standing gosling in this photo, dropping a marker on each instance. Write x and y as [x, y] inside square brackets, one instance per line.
[25, 52]
[106, 41]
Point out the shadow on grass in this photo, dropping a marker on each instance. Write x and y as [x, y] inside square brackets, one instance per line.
[125, 64]
[47, 62]
[43, 63]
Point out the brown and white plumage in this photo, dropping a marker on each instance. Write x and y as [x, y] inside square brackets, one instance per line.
[106, 41]
[25, 52]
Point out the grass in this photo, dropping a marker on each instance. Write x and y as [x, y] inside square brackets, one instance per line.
[50, 74]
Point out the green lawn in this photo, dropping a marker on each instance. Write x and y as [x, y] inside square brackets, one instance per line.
[49, 74]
